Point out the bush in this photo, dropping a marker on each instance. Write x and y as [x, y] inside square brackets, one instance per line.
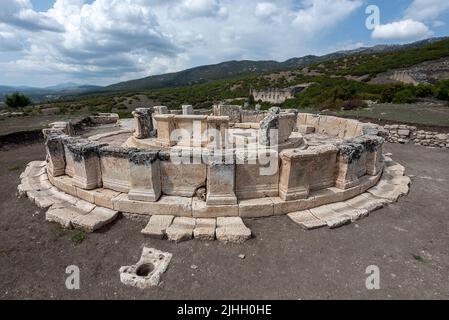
[17, 101]
[404, 96]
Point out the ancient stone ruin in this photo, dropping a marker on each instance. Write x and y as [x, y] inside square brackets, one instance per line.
[200, 175]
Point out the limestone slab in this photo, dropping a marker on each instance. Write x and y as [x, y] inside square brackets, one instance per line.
[181, 229]
[94, 220]
[200, 209]
[232, 230]
[167, 205]
[157, 226]
[205, 229]
[255, 208]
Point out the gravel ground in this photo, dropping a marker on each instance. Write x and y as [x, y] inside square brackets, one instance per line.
[408, 241]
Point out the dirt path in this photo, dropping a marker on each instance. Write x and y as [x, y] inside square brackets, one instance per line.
[407, 241]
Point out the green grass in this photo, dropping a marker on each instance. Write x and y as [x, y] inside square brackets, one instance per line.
[404, 113]
[418, 258]
[78, 237]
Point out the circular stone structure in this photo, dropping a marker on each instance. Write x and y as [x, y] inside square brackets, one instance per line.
[229, 164]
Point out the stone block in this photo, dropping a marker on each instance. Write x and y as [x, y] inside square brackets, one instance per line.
[181, 229]
[202, 210]
[167, 205]
[94, 220]
[205, 229]
[55, 155]
[351, 164]
[115, 168]
[145, 176]
[256, 177]
[144, 123]
[182, 179]
[306, 220]
[157, 226]
[232, 230]
[255, 208]
[86, 164]
[221, 184]
[165, 127]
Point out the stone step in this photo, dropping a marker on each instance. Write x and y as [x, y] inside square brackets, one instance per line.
[181, 229]
[389, 191]
[94, 220]
[157, 226]
[232, 230]
[205, 229]
[306, 220]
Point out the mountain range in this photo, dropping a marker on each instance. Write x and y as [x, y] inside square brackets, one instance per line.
[202, 74]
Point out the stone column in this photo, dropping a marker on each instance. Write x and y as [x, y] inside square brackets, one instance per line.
[145, 176]
[86, 164]
[144, 123]
[220, 183]
[295, 174]
[159, 110]
[351, 164]
[187, 110]
[165, 127]
[217, 131]
[55, 155]
[374, 153]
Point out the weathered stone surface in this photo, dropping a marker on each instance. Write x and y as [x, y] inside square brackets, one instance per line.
[262, 207]
[205, 229]
[148, 271]
[306, 129]
[351, 164]
[201, 210]
[353, 213]
[221, 184]
[157, 226]
[115, 168]
[256, 177]
[64, 216]
[389, 191]
[181, 229]
[232, 230]
[187, 110]
[144, 122]
[167, 205]
[95, 219]
[306, 220]
[145, 176]
[182, 179]
[368, 202]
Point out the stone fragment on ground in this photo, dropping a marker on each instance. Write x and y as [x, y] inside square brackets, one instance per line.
[205, 229]
[181, 229]
[148, 271]
[232, 230]
[157, 226]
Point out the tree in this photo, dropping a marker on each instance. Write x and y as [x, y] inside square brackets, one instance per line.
[17, 101]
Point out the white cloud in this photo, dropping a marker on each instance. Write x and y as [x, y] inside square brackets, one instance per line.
[191, 9]
[105, 41]
[404, 29]
[20, 14]
[424, 10]
[322, 14]
[266, 10]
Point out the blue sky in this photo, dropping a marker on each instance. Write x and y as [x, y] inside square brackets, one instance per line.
[46, 42]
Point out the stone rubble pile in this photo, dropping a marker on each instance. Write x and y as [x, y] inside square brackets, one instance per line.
[405, 134]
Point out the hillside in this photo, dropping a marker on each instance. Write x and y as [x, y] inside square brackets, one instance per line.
[232, 69]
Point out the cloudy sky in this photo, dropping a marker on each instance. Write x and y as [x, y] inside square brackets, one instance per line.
[46, 42]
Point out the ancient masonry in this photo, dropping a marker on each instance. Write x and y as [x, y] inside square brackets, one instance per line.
[276, 95]
[409, 134]
[329, 172]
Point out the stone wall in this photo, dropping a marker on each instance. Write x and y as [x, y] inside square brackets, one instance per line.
[405, 134]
